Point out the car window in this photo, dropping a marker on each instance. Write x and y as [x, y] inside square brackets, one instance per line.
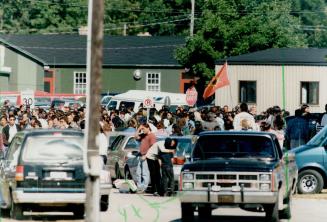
[14, 146]
[112, 105]
[126, 105]
[116, 143]
[132, 144]
[224, 146]
[53, 148]
[319, 139]
[183, 147]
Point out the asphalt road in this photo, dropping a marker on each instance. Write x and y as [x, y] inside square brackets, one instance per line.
[146, 208]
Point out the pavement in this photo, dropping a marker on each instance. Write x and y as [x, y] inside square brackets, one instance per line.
[147, 208]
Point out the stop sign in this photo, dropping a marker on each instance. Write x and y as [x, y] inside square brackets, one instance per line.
[191, 96]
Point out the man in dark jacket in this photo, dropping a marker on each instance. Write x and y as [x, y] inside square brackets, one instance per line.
[297, 130]
[10, 130]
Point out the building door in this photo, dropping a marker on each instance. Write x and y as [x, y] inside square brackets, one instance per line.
[49, 81]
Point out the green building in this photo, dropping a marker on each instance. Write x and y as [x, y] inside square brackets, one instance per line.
[57, 63]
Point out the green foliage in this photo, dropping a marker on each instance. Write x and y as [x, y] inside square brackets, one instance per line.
[233, 27]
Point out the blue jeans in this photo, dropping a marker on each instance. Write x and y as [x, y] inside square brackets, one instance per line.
[142, 175]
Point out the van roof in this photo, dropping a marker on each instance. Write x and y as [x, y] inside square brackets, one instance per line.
[159, 97]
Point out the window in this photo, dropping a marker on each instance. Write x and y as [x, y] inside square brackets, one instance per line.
[310, 93]
[152, 81]
[79, 82]
[248, 92]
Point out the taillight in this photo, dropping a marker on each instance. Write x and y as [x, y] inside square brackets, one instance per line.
[19, 173]
[181, 182]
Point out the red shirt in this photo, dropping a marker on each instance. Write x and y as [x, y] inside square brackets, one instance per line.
[147, 142]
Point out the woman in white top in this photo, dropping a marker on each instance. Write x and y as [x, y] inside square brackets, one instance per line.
[102, 142]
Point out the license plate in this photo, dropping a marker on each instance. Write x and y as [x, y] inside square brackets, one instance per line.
[225, 199]
[58, 175]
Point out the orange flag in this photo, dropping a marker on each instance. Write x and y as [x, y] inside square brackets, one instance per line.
[218, 81]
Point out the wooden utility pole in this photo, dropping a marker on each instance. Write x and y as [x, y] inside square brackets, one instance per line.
[192, 17]
[94, 69]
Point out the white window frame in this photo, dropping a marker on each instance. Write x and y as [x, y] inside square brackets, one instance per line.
[79, 86]
[152, 85]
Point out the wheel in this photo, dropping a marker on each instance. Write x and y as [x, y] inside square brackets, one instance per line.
[5, 213]
[16, 211]
[104, 203]
[205, 212]
[310, 181]
[78, 211]
[272, 213]
[187, 212]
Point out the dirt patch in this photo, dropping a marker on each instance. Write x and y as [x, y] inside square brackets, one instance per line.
[322, 195]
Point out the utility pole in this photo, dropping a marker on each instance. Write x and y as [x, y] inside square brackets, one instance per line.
[192, 17]
[94, 163]
[125, 30]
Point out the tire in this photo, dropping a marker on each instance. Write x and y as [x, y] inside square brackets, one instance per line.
[272, 212]
[205, 212]
[79, 211]
[104, 203]
[187, 212]
[310, 182]
[5, 213]
[16, 211]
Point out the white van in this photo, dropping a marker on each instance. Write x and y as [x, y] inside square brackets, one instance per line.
[135, 98]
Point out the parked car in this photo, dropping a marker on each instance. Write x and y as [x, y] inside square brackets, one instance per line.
[311, 160]
[43, 102]
[119, 152]
[43, 170]
[73, 104]
[233, 168]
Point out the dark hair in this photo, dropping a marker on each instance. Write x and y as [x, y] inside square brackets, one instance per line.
[264, 126]
[244, 107]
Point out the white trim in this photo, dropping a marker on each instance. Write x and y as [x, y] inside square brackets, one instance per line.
[79, 87]
[152, 86]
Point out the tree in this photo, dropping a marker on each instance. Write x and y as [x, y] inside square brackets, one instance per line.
[234, 27]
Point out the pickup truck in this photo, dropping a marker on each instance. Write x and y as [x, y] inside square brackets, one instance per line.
[238, 168]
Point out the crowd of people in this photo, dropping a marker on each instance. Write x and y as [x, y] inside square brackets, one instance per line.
[290, 131]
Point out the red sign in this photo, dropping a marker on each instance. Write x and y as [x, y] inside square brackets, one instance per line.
[148, 103]
[191, 96]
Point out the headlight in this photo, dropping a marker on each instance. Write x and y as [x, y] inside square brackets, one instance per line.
[265, 177]
[265, 187]
[188, 176]
[188, 186]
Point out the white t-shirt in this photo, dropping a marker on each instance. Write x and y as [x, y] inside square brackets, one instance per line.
[102, 142]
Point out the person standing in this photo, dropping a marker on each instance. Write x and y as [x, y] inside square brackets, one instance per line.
[244, 114]
[167, 167]
[324, 118]
[297, 131]
[10, 130]
[153, 163]
[147, 139]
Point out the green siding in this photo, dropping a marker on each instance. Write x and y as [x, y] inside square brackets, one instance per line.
[118, 80]
[4, 81]
[25, 74]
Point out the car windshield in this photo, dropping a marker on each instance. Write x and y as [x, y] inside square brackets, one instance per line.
[233, 146]
[53, 148]
[319, 138]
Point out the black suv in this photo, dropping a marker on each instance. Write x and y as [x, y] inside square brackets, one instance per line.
[43, 170]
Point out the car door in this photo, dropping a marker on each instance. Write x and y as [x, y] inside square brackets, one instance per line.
[8, 169]
[113, 154]
[131, 145]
